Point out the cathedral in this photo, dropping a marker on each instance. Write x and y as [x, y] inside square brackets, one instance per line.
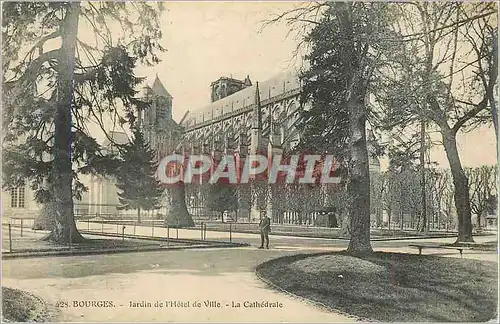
[240, 116]
[243, 117]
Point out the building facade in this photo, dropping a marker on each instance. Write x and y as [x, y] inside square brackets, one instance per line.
[243, 117]
[251, 117]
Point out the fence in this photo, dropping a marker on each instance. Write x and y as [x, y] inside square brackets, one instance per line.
[204, 214]
[112, 211]
[19, 235]
[154, 229]
[200, 214]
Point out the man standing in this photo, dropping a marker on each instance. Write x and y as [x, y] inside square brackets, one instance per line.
[265, 229]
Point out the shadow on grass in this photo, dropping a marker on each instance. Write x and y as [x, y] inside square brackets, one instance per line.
[391, 286]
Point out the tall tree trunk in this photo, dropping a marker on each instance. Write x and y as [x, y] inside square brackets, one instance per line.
[493, 104]
[378, 216]
[358, 186]
[438, 216]
[389, 220]
[494, 113]
[64, 223]
[461, 184]
[178, 215]
[344, 226]
[138, 214]
[422, 177]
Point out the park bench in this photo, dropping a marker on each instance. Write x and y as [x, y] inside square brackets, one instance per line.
[435, 246]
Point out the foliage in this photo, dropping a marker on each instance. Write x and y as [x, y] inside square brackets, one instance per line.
[222, 197]
[57, 82]
[136, 180]
[104, 84]
[345, 46]
[325, 124]
[377, 186]
[197, 194]
[426, 77]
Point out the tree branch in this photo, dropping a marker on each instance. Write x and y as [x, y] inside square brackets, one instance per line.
[34, 67]
[470, 114]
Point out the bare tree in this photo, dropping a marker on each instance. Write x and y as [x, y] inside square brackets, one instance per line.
[482, 186]
[445, 73]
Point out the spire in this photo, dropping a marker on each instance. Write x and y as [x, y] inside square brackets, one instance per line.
[270, 118]
[159, 89]
[247, 81]
[257, 113]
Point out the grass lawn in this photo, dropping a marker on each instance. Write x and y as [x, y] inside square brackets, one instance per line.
[391, 286]
[20, 306]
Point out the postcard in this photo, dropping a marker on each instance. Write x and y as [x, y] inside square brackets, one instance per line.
[272, 161]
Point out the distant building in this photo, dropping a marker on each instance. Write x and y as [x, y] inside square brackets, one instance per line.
[19, 203]
[101, 199]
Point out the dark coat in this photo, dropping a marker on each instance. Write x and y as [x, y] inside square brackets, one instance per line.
[265, 225]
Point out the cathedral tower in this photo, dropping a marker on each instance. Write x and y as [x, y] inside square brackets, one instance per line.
[159, 111]
[227, 86]
[159, 129]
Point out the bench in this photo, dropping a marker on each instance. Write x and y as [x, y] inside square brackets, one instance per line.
[423, 246]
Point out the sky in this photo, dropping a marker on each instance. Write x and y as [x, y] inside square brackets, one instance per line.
[207, 40]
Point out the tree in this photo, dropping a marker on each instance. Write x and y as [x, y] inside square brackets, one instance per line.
[196, 196]
[177, 213]
[345, 42]
[344, 49]
[136, 178]
[338, 200]
[302, 199]
[56, 82]
[437, 185]
[444, 74]
[482, 186]
[394, 195]
[258, 193]
[222, 197]
[377, 187]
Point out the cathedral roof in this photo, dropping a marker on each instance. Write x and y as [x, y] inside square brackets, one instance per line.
[277, 85]
[159, 89]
